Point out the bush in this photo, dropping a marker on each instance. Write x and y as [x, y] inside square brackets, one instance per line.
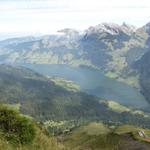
[15, 127]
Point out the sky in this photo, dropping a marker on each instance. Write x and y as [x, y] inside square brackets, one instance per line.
[48, 16]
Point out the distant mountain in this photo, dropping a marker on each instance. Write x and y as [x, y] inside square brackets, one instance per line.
[17, 40]
[111, 48]
[143, 69]
[105, 46]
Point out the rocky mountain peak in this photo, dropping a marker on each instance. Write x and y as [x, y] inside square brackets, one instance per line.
[128, 28]
[112, 28]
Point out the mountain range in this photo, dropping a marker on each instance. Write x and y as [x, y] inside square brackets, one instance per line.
[115, 50]
[77, 89]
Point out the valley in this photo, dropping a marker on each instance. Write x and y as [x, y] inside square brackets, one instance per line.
[94, 82]
[76, 90]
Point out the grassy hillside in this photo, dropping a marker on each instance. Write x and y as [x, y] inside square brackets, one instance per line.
[20, 132]
[92, 136]
[97, 136]
[69, 85]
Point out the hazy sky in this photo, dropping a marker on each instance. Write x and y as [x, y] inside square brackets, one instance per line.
[48, 16]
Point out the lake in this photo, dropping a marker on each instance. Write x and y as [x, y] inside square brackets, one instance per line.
[94, 82]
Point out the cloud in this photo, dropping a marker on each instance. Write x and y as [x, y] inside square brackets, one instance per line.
[48, 16]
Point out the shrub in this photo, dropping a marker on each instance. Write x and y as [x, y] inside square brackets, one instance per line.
[16, 128]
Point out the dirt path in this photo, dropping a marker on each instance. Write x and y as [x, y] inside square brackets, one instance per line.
[132, 144]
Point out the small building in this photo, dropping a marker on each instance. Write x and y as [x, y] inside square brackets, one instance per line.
[142, 134]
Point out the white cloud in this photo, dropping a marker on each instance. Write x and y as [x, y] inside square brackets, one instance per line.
[48, 16]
